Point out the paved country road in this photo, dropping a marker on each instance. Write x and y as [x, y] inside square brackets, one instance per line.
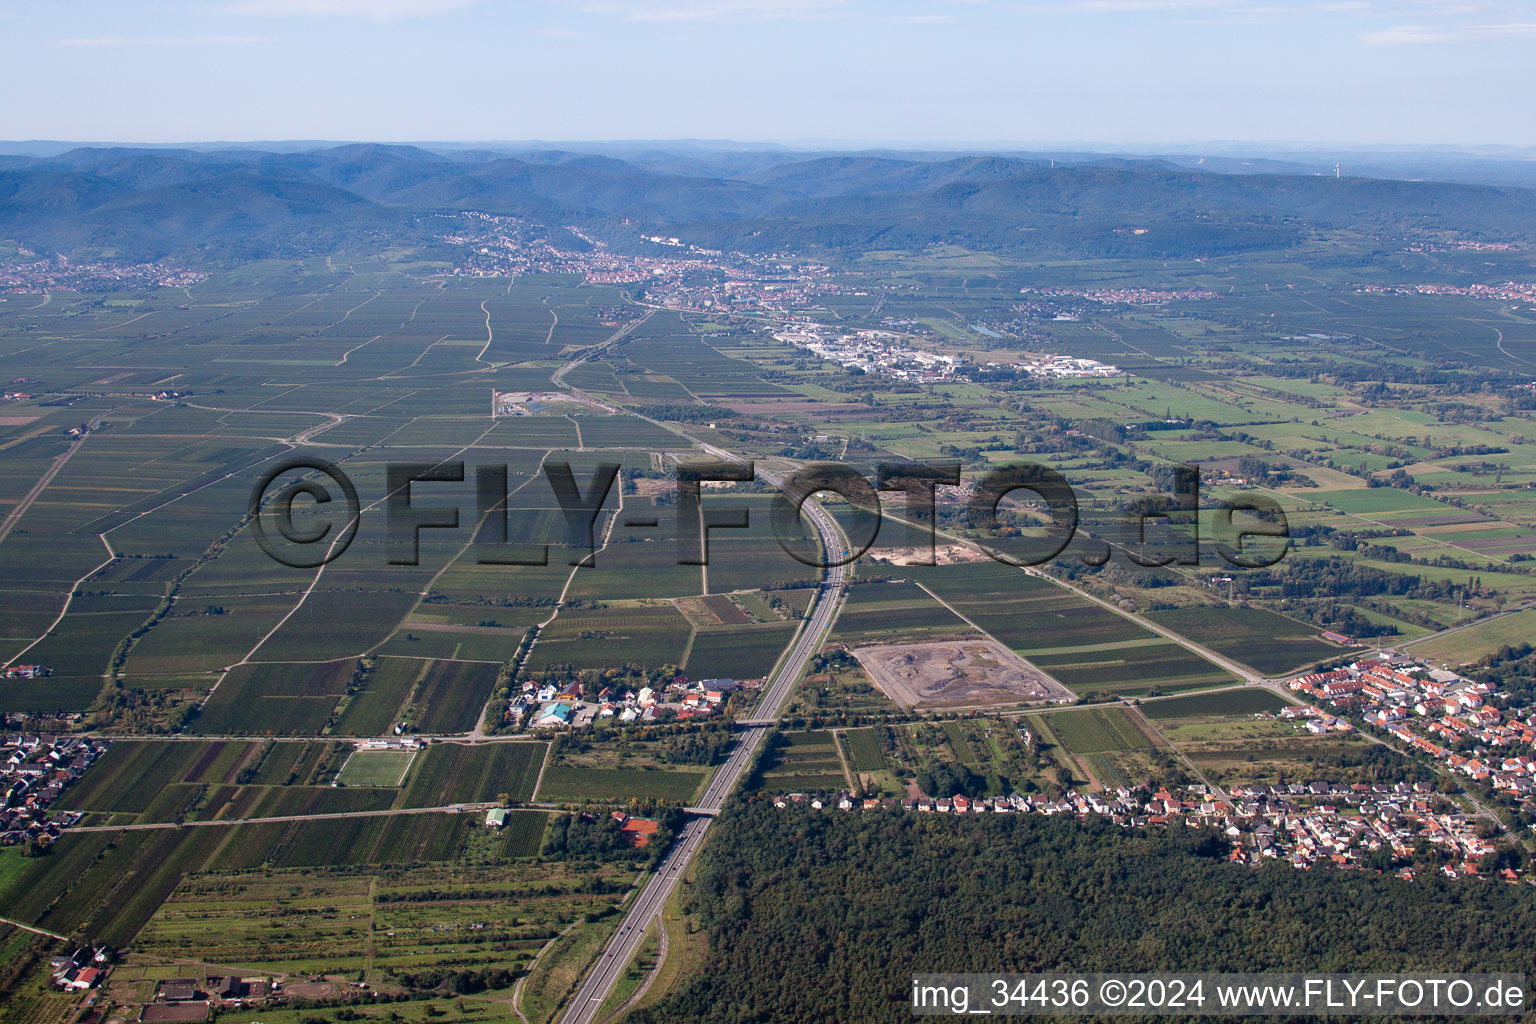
[33, 930]
[47, 478]
[387, 812]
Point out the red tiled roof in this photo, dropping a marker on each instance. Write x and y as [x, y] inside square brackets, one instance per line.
[640, 830]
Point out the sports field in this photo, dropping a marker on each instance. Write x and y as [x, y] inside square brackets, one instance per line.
[376, 767]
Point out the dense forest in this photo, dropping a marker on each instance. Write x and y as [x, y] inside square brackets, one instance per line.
[824, 916]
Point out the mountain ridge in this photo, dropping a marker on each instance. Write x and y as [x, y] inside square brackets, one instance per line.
[152, 203]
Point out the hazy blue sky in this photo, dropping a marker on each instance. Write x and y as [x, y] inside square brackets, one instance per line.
[963, 71]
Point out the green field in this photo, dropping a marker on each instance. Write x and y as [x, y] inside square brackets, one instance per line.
[803, 762]
[1097, 730]
[1025, 612]
[864, 750]
[376, 707]
[1221, 704]
[575, 784]
[280, 700]
[425, 915]
[647, 637]
[112, 883]
[1377, 500]
[160, 781]
[1270, 643]
[894, 612]
[449, 773]
[376, 768]
[1130, 670]
[737, 652]
[1479, 640]
[450, 696]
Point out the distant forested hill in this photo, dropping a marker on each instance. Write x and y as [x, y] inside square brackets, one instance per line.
[150, 203]
[825, 916]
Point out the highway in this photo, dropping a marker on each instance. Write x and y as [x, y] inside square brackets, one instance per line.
[646, 907]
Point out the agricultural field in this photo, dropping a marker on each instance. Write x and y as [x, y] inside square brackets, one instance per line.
[646, 636]
[282, 699]
[874, 760]
[894, 613]
[150, 781]
[1097, 730]
[1024, 612]
[1394, 429]
[146, 781]
[1477, 641]
[737, 652]
[450, 773]
[109, 884]
[574, 784]
[864, 750]
[449, 696]
[1100, 748]
[992, 752]
[389, 924]
[805, 762]
[1130, 669]
[374, 708]
[1271, 644]
[131, 772]
[273, 699]
[1219, 704]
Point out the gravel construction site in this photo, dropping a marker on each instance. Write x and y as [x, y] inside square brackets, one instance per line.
[952, 674]
[942, 554]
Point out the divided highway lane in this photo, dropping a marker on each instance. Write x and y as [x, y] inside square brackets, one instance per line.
[646, 908]
[653, 896]
[724, 780]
